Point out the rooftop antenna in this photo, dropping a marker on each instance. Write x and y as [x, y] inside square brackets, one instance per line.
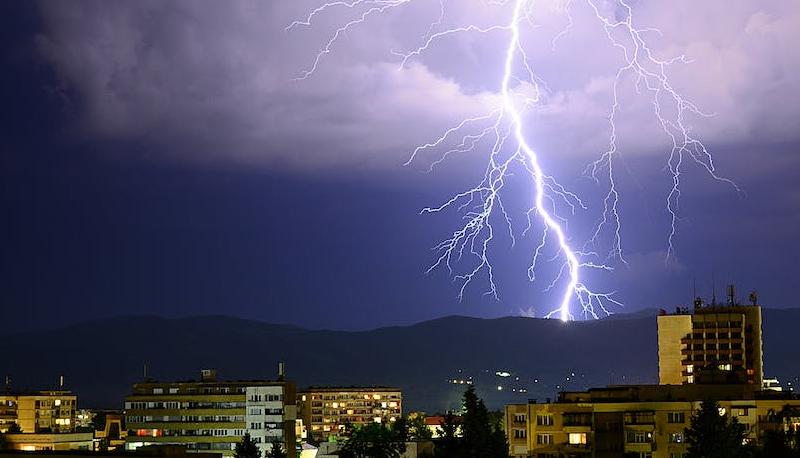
[754, 298]
[144, 370]
[713, 290]
[731, 295]
[61, 382]
[698, 303]
[8, 383]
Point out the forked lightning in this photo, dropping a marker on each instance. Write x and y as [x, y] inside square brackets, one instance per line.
[502, 128]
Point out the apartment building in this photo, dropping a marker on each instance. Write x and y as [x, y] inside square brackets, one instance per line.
[645, 421]
[46, 419]
[326, 410]
[711, 344]
[211, 415]
[45, 411]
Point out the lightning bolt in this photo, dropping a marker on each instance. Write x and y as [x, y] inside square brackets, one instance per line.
[502, 129]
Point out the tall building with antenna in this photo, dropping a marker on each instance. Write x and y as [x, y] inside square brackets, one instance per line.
[712, 343]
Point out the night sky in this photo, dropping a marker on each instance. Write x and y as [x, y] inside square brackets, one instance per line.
[158, 158]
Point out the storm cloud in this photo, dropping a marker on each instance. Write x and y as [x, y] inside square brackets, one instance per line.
[197, 81]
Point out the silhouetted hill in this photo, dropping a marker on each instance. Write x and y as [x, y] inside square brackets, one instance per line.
[101, 359]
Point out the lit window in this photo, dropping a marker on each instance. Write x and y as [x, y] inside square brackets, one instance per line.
[57, 402]
[577, 438]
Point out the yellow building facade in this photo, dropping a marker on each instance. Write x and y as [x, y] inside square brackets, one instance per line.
[645, 421]
[50, 442]
[712, 344]
[46, 411]
[210, 415]
[326, 410]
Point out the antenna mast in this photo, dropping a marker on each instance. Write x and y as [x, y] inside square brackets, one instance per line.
[713, 290]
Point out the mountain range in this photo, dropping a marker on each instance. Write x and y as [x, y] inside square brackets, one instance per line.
[508, 359]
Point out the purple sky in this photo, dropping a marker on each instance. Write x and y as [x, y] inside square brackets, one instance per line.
[204, 91]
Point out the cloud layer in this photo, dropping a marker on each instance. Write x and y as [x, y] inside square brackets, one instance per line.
[213, 81]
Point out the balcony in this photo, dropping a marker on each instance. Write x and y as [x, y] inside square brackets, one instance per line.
[638, 447]
[639, 418]
[578, 448]
[577, 423]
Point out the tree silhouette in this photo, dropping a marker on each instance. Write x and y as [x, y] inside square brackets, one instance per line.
[711, 434]
[784, 441]
[376, 440]
[482, 436]
[247, 448]
[277, 449]
[417, 428]
[449, 444]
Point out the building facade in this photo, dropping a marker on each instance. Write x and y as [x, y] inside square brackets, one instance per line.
[643, 421]
[712, 344]
[210, 415]
[31, 442]
[46, 411]
[46, 419]
[327, 410]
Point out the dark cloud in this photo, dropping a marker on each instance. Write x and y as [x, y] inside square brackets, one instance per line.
[216, 79]
[210, 83]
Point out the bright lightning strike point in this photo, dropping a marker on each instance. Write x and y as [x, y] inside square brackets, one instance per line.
[551, 224]
[503, 128]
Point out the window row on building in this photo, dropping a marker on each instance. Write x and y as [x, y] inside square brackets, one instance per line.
[636, 419]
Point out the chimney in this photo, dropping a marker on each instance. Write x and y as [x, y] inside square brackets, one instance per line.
[61, 382]
[281, 370]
